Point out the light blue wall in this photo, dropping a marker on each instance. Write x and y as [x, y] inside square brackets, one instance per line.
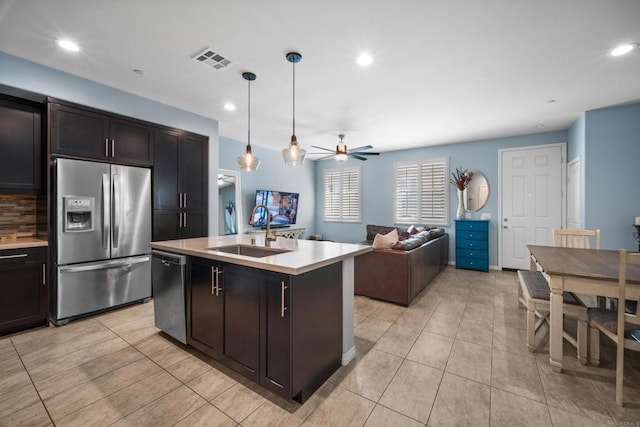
[378, 190]
[24, 75]
[272, 174]
[612, 174]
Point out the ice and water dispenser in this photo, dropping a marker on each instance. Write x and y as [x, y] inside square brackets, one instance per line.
[78, 213]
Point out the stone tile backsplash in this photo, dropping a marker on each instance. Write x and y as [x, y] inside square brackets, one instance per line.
[18, 214]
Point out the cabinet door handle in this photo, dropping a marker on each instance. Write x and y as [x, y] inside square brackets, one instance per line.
[213, 286]
[106, 147]
[218, 288]
[185, 200]
[282, 307]
[113, 148]
[185, 220]
[180, 220]
[179, 200]
[44, 274]
[13, 256]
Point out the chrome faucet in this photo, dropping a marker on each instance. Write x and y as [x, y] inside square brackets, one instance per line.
[269, 235]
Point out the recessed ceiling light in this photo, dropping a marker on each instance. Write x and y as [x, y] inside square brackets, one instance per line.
[538, 126]
[623, 49]
[229, 106]
[68, 45]
[364, 60]
[551, 101]
[139, 72]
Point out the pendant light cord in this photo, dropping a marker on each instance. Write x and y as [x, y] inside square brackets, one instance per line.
[249, 117]
[294, 98]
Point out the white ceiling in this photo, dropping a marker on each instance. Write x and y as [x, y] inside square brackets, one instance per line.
[444, 71]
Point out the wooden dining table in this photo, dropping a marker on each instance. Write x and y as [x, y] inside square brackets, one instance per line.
[583, 271]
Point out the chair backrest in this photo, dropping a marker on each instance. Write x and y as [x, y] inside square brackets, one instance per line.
[626, 259]
[575, 238]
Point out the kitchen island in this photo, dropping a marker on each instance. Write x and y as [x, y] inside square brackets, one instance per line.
[280, 315]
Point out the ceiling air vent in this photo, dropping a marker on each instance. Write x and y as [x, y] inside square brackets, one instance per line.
[212, 59]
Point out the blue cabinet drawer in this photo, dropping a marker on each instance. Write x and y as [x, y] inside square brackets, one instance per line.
[472, 244]
[472, 264]
[472, 253]
[472, 225]
[471, 235]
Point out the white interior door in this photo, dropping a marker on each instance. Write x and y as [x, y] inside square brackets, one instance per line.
[573, 195]
[531, 200]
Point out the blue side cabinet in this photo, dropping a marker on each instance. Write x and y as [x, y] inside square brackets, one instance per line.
[472, 244]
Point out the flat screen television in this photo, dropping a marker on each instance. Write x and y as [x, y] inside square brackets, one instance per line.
[283, 208]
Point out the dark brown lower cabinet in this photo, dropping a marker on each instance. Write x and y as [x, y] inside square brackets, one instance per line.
[282, 331]
[241, 326]
[204, 324]
[23, 289]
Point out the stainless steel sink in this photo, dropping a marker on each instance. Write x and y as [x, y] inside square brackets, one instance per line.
[247, 250]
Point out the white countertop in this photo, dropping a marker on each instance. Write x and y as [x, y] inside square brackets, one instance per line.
[304, 255]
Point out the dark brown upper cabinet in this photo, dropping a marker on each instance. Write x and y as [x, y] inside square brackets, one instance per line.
[88, 133]
[20, 146]
[180, 174]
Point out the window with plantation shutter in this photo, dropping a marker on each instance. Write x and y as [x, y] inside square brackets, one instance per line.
[342, 195]
[421, 192]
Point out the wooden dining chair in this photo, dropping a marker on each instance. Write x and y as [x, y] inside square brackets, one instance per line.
[575, 238]
[618, 325]
[534, 295]
[579, 238]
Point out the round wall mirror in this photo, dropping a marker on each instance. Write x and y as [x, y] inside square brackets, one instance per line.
[477, 192]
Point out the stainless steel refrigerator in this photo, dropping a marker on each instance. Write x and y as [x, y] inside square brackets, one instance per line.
[103, 229]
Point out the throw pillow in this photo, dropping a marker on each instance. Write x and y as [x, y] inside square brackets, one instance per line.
[413, 229]
[385, 241]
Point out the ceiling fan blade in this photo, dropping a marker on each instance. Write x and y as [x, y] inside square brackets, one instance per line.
[326, 157]
[366, 154]
[355, 156]
[322, 148]
[364, 147]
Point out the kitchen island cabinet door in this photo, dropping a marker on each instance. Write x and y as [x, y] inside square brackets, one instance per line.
[276, 335]
[205, 307]
[241, 326]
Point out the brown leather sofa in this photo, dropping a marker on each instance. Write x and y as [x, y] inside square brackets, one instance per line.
[397, 275]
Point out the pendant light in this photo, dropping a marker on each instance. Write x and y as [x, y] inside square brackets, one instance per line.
[248, 162]
[293, 154]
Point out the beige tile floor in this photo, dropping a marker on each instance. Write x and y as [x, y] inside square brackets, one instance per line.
[457, 356]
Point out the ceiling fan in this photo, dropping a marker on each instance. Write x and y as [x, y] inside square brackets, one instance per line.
[341, 154]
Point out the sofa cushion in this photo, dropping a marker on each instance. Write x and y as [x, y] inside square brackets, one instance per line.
[385, 241]
[413, 241]
[435, 232]
[372, 230]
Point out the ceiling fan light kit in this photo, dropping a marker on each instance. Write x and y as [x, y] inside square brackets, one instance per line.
[341, 153]
[294, 155]
[248, 162]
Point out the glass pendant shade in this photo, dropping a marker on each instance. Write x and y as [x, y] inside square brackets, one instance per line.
[248, 162]
[294, 155]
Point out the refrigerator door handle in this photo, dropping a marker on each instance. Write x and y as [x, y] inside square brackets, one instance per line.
[105, 204]
[115, 206]
[102, 265]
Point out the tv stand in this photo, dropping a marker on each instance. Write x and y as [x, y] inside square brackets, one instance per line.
[288, 232]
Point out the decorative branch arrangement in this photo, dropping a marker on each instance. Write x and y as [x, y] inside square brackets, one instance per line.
[460, 178]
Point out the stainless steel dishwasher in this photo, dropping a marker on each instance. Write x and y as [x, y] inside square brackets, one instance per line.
[168, 281]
